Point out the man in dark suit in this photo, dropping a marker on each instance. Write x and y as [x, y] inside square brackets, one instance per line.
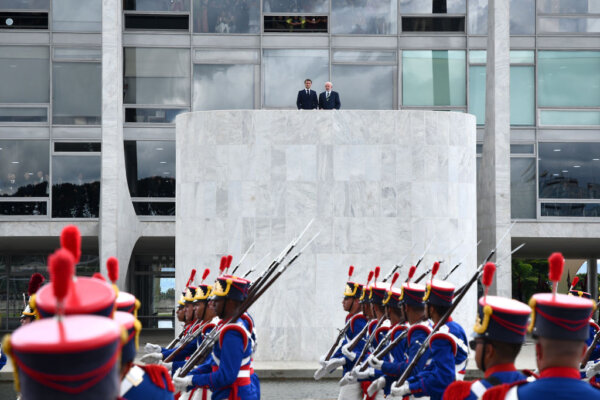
[328, 100]
[307, 98]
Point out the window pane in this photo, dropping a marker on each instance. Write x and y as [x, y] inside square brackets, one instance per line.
[570, 210]
[24, 165]
[22, 114]
[569, 117]
[364, 56]
[23, 20]
[364, 87]
[285, 70]
[157, 5]
[25, 74]
[569, 170]
[433, 24]
[157, 21]
[25, 5]
[568, 25]
[522, 17]
[76, 93]
[372, 18]
[150, 168]
[75, 186]
[23, 208]
[568, 6]
[477, 92]
[226, 16]
[94, 147]
[569, 78]
[157, 76]
[154, 209]
[522, 95]
[154, 285]
[153, 115]
[434, 78]
[227, 56]
[77, 15]
[433, 6]
[223, 87]
[295, 23]
[522, 57]
[312, 6]
[73, 53]
[522, 188]
[522, 149]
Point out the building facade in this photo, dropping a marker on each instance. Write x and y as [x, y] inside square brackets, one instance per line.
[90, 90]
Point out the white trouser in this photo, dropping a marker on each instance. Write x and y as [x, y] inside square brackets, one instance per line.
[196, 396]
[352, 391]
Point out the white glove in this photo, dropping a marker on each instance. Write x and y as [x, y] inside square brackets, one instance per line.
[375, 362]
[400, 391]
[329, 367]
[377, 385]
[152, 358]
[322, 361]
[167, 365]
[348, 378]
[364, 375]
[152, 348]
[592, 370]
[181, 384]
[350, 355]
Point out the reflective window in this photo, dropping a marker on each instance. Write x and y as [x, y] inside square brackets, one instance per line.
[569, 117]
[522, 149]
[154, 285]
[569, 170]
[569, 25]
[434, 78]
[568, 6]
[522, 17]
[569, 78]
[76, 93]
[150, 168]
[522, 188]
[569, 210]
[156, 76]
[23, 20]
[157, 22]
[23, 208]
[25, 4]
[77, 53]
[377, 17]
[23, 114]
[295, 23]
[227, 56]
[285, 71]
[78, 147]
[226, 16]
[433, 6]
[433, 24]
[77, 15]
[153, 115]
[157, 5]
[24, 166]
[25, 74]
[223, 87]
[364, 56]
[154, 208]
[364, 87]
[302, 6]
[75, 186]
[477, 92]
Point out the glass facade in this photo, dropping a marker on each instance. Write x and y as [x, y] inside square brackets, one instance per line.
[75, 186]
[153, 279]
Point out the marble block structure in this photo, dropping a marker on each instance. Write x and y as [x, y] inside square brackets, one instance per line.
[381, 185]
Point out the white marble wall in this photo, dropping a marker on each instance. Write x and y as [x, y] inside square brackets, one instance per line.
[377, 182]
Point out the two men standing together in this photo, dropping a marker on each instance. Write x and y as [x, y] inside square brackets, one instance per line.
[307, 98]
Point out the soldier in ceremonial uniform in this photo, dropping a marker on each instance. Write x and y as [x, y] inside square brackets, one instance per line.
[448, 347]
[228, 373]
[35, 282]
[592, 367]
[498, 336]
[353, 294]
[560, 324]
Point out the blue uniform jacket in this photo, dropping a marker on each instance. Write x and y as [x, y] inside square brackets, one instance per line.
[448, 355]
[358, 322]
[499, 374]
[2, 359]
[147, 389]
[187, 351]
[232, 350]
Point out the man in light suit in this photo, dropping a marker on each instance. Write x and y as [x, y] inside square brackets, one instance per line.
[307, 98]
[328, 100]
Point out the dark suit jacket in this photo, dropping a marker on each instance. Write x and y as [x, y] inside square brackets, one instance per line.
[333, 102]
[307, 101]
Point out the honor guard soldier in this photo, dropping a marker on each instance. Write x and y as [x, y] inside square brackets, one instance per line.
[448, 347]
[67, 357]
[592, 367]
[560, 325]
[35, 282]
[498, 336]
[228, 373]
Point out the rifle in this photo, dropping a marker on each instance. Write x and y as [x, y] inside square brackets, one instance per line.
[458, 264]
[370, 339]
[242, 259]
[209, 341]
[589, 350]
[255, 265]
[191, 336]
[379, 353]
[399, 265]
[419, 262]
[337, 340]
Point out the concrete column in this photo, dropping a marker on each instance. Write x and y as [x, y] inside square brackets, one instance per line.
[494, 177]
[118, 230]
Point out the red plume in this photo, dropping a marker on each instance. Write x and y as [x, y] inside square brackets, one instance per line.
[411, 272]
[205, 274]
[435, 269]
[371, 273]
[377, 272]
[350, 271]
[70, 239]
[229, 259]
[394, 279]
[223, 264]
[112, 266]
[488, 274]
[557, 262]
[98, 275]
[35, 282]
[191, 279]
[62, 268]
[575, 282]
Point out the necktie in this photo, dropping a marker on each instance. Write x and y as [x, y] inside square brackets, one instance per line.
[327, 97]
[307, 91]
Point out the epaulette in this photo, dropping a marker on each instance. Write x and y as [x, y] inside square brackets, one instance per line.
[234, 327]
[397, 329]
[206, 328]
[594, 325]
[458, 390]
[159, 376]
[355, 318]
[372, 326]
[499, 392]
[443, 336]
[382, 330]
[417, 327]
[246, 317]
